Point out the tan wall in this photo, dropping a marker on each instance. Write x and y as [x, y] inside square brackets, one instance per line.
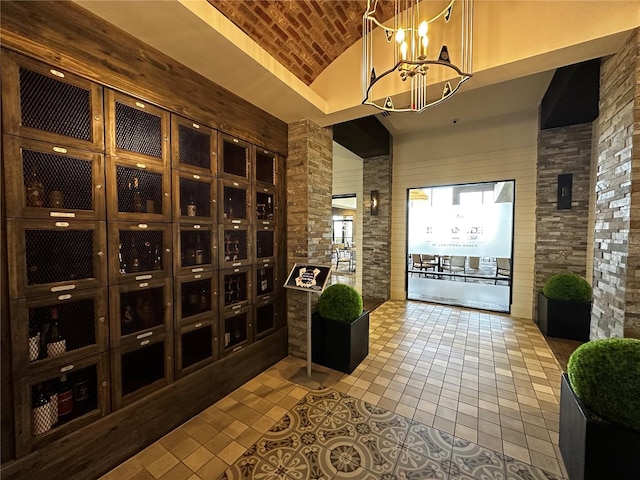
[502, 148]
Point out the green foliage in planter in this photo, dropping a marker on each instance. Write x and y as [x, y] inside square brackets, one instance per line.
[340, 302]
[567, 286]
[605, 375]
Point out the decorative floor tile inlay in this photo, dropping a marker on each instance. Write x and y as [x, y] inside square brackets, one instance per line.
[329, 435]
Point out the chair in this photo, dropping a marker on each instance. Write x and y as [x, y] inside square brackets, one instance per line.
[474, 263]
[457, 263]
[429, 262]
[416, 263]
[342, 256]
[503, 268]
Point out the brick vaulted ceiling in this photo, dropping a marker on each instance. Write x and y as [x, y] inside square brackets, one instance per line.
[304, 35]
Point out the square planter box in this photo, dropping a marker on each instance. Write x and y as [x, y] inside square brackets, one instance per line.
[564, 318]
[339, 345]
[593, 449]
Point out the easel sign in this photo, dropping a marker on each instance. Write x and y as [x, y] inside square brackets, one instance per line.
[310, 279]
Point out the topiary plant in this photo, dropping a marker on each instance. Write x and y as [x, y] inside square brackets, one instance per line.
[567, 286]
[340, 302]
[605, 375]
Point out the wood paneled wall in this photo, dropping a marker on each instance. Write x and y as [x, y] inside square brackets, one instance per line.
[66, 35]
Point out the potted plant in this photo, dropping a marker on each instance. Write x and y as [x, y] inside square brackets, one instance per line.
[564, 307]
[600, 410]
[340, 329]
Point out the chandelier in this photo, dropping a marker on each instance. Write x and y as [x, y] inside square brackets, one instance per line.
[429, 40]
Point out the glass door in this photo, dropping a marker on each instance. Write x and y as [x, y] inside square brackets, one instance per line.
[460, 244]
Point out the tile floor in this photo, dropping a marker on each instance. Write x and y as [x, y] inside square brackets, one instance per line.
[446, 393]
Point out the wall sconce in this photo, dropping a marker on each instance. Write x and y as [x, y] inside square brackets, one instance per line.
[374, 202]
[565, 182]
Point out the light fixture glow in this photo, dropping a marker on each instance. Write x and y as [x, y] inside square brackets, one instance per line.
[449, 23]
[375, 202]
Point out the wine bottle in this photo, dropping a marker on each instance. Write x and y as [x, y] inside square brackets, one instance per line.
[237, 290]
[65, 397]
[34, 190]
[51, 392]
[128, 320]
[41, 417]
[56, 198]
[263, 280]
[269, 208]
[193, 299]
[203, 304]
[121, 260]
[229, 209]
[191, 207]
[34, 341]
[137, 198]
[236, 249]
[56, 343]
[228, 292]
[190, 253]
[80, 389]
[134, 256]
[227, 247]
[157, 258]
[148, 256]
[199, 251]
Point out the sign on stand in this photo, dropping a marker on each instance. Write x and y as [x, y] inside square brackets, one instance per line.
[311, 279]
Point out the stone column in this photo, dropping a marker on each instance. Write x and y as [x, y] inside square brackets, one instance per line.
[561, 235]
[616, 265]
[376, 238]
[309, 189]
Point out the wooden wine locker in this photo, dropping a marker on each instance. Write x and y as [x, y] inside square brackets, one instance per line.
[95, 162]
[47, 103]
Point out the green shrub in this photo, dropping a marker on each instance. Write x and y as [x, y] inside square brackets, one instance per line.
[340, 302]
[605, 375]
[567, 286]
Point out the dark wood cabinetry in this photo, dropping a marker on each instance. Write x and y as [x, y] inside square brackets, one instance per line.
[194, 147]
[48, 104]
[137, 229]
[50, 181]
[40, 417]
[136, 130]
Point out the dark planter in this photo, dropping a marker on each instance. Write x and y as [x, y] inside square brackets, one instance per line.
[568, 319]
[339, 345]
[591, 448]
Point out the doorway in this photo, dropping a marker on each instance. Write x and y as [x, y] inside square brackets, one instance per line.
[460, 244]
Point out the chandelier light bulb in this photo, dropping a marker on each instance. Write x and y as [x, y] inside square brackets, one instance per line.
[423, 29]
[403, 50]
[400, 36]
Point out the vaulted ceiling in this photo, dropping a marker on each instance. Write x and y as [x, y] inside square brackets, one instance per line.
[304, 35]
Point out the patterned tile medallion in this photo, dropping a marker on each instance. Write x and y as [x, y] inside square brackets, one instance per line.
[516, 470]
[429, 442]
[413, 466]
[388, 424]
[379, 454]
[328, 435]
[469, 460]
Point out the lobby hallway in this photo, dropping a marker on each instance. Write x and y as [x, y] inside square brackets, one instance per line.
[446, 393]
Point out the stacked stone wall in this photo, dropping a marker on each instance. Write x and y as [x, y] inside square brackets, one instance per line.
[376, 240]
[561, 235]
[616, 306]
[309, 187]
